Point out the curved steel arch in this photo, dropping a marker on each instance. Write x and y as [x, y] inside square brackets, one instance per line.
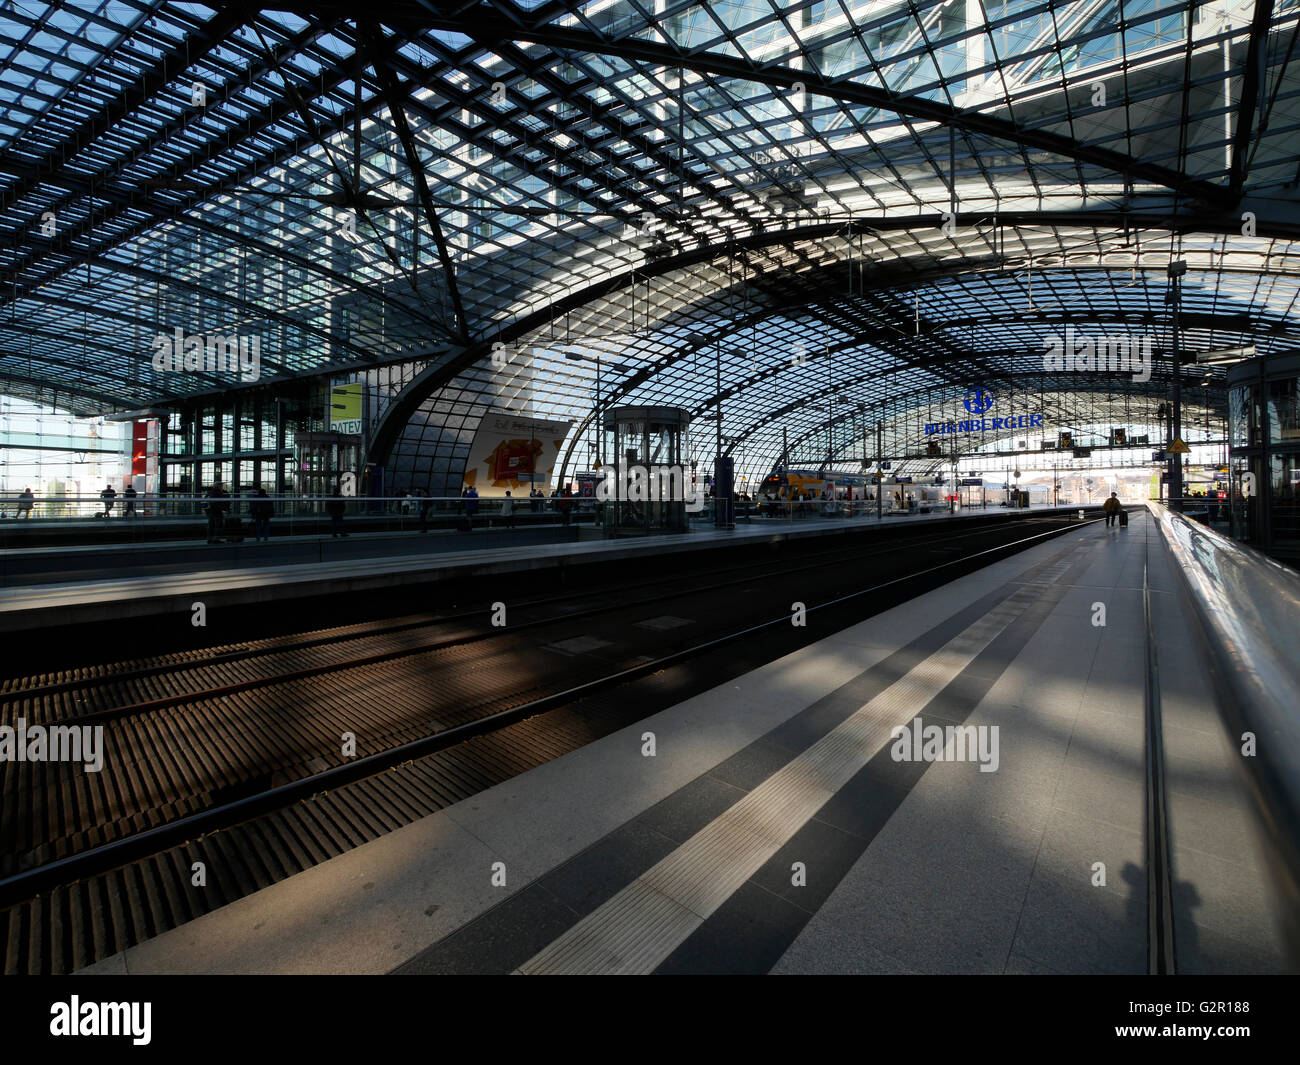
[546, 315]
[754, 427]
[1144, 390]
[573, 300]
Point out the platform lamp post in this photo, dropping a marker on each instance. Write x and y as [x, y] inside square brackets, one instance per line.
[577, 356]
[1162, 416]
[880, 470]
[724, 490]
[956, 462]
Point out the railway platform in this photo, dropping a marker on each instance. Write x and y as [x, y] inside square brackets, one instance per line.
[803, 818]
[55, 587]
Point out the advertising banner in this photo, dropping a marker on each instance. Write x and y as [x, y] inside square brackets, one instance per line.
[511, 452]
[139, 448]
[345, 409]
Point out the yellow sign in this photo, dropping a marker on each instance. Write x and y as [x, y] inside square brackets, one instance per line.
[1179, 448]
[345, 408]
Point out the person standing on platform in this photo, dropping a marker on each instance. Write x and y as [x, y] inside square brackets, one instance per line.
[261, 510]
[216, 511]
[426, 504]
[471, 505]
[1111, 508]
[535, 498]
[508, 511]
[335, 507]
[130, 496]
[108, 495]
[25, 502]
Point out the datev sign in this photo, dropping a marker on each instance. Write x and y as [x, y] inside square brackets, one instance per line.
[345, 408]
[978, 401]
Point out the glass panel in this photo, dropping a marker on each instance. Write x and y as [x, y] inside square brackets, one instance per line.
[660, 445]
[1244, 505]
[1242, 423]
[1284, 477]
[1284, 411]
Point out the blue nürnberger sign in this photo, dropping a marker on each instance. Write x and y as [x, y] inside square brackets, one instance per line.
[978, 401]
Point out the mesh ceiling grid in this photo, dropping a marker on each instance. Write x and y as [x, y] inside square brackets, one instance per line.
[612, 115]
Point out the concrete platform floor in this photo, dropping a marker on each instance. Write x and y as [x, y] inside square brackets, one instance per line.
[772, 830]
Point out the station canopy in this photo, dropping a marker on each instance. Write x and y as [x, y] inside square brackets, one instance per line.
[798, 221]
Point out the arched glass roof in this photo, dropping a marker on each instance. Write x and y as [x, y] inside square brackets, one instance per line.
[807, 215]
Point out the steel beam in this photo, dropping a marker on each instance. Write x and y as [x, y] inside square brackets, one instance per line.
[490, 29]
[373, 37]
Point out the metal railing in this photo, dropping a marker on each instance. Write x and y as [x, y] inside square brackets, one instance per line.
[160, 517]
[187, 507]
[146, 519]
[1248, 607]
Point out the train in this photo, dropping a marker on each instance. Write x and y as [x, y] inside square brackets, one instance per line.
[791, 484]
[809, 484]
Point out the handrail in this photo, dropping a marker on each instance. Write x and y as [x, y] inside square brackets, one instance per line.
[141, 497]
[1248, 606]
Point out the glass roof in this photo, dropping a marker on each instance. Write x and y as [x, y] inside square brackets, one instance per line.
[789, 212]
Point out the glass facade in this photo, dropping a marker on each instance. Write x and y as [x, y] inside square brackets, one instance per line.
[58, 455]
[1266, 454]
[241, 442]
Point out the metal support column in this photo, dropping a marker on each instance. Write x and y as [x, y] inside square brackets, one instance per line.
[880, 474]
[1176, 272]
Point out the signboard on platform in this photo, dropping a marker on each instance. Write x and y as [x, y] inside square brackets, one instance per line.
[510, 452]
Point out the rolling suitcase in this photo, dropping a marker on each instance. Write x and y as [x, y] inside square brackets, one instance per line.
[232, 531]
[1123, 519]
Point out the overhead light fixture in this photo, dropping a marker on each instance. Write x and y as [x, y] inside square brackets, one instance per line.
[1224, 356]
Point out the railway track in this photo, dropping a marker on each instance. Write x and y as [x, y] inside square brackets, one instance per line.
[436, 719]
